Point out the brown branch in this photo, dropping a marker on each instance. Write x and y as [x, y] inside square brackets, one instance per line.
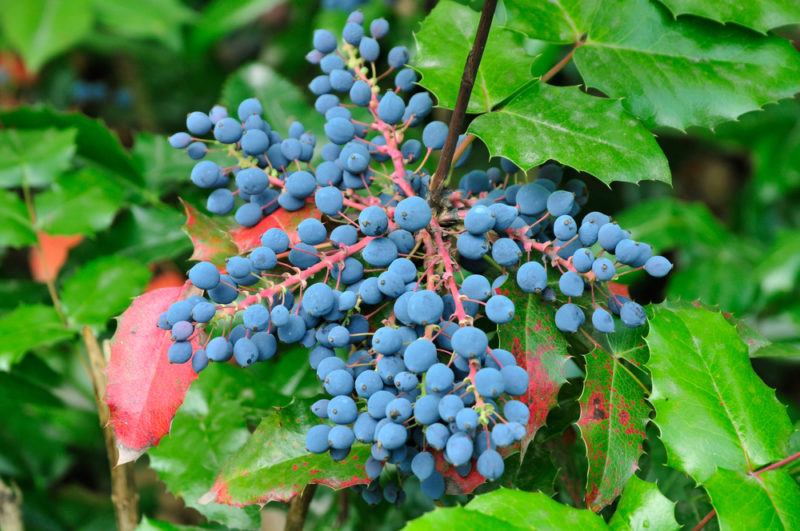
[10, 507]
[123, 489]
[459, 112]
[783, 462]
[562, 63]
[298, 509]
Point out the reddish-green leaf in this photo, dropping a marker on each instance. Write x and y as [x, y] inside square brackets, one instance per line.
[712, 409]
[612, 422]
[209, 236]
[274, 465]
[248, 238]
[144, 389]
[538, 348]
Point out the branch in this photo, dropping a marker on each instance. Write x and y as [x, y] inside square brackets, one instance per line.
[123, 489]
[464, 92]
[783, 462]
[10, 512]
[298, 509]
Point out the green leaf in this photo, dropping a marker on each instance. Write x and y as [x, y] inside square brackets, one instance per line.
[15, 223]
[209, 236]
[151, 524]
[42, 29]
[562, 21]
[545, 122]
[149, 234]
[711, 408]
[102, 289]
[275, 465]
[135, 19]
[26, 328]
[159, 163]
[614, 414]
[746, 501]
[534, 510]
[283, 102]
[211, 420]
[642, 506]
[683, 73]
[83, 202]
[459, 518]
[779, 270]
[762, 15]
[221, 17]
[95, 142]
[443, 43]
[540, 349]
[36, 157]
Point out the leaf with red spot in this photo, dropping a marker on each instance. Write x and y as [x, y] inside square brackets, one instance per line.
[274, 465]
[210, 236]
[247, 238]
[144, 388]
[455, 483]
[612, 423]
[541, 350]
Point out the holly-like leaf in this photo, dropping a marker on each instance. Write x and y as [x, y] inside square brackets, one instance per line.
[149, 234]
[614, 414]
[209, 236]
[28, 327]
[248, 238]
[135, 20]
[746, 501]
[159, 163]
[34, 157]
[15, 223]
[212, 421]
[443, 43]
[538, 348]
[686, 72]
[545, 122]
[220, 17]
[83, 202]
[94, 141]
[711, 408]
[42, 29]
[642, 506]
[510, 509]
[762, 15]
[103, 288]
[561, 21]
[780, 267]
[274, 465]
[144, 388]
[283, 102]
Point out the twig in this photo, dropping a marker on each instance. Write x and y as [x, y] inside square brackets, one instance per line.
[464, 92]
[344, 508]
[123, 489]
[10, 503]
[785, 461]
[298, 508]
[562, 63]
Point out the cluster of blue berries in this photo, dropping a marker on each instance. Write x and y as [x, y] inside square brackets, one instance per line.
[392, 299]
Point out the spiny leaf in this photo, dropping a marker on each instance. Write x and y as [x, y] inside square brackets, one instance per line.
[642, 506]
[209, 236]
[562, 21]
[686, 72]
[248, 238]
[144, 388]
[149, 234]
[612, 423]
[538, 348]
[711, 408]
[544, 122]
[274, 465]
[15, 223]
[762, 15]
[34, 157]
[28, 327]
[745, 501]
[443, 43]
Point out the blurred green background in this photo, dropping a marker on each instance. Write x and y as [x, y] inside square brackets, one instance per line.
[730, 223]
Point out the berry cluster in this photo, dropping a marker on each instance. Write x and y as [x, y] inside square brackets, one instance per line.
[392, 299]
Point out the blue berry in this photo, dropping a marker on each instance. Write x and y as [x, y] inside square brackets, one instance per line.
[632, 314]
[412, 214]
[324, 41]
[198, 123]
[373, 221]
[571, 284]
[228, 131]
[569, 318]
[434, 135]
[500, 309]
[604, 269]
[490, 465]
[391, 108]
[657, 266]
[532, 277]
[506, 252]
[602, 321]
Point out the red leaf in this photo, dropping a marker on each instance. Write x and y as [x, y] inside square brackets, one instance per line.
[249, 238]
[455, 482]
[166, 277]
[541, 350]
[144, 388]
[54, 251]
